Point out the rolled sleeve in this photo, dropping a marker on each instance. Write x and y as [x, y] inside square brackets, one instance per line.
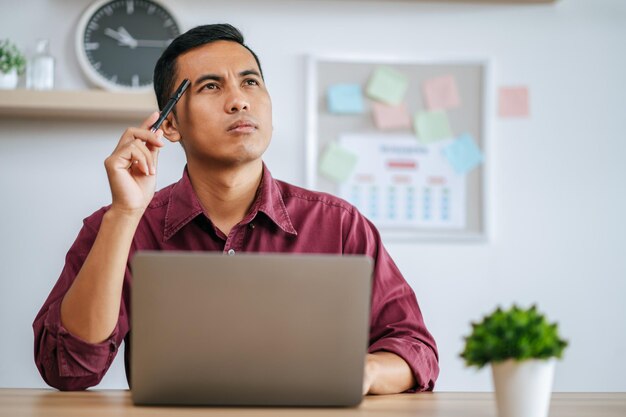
[67, 362]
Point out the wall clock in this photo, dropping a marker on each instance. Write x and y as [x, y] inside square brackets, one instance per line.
[119, 41]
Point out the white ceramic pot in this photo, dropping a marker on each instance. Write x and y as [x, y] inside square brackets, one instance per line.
[523, 389]
[8, 81]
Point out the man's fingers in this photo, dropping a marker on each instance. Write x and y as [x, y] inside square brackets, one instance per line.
[152, 139]
[137, 149]
[133, 156]
[141, 157]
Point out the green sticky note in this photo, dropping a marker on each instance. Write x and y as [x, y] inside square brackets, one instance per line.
[387, 85]
[337, 163]
[432, 126]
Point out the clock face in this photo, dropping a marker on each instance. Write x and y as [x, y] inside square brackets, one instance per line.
[119, 42]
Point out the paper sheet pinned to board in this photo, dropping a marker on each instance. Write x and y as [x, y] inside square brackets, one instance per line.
[399, 183]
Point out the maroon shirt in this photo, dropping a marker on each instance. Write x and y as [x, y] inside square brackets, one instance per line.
[283, 218]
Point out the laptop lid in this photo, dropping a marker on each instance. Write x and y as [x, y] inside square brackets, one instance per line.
[249, 329]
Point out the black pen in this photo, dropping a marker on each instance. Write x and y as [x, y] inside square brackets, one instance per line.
[170, 104]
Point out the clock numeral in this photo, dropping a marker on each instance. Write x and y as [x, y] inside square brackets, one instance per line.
[93, 26]
[168, 23]
[130, 6]
[151, 9]
[113, 79]
[135, 80]
[92, 46]
[97, 65]
[108, 10]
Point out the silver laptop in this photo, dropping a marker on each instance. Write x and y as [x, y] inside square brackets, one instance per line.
[262, 329]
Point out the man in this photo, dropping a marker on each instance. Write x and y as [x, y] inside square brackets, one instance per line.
[226, 201]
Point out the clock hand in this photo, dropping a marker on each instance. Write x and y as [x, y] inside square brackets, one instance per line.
[115, 35]
[130, 40]
[121, 38]
[122, 31]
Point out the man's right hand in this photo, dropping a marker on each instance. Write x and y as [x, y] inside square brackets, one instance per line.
[131, 168]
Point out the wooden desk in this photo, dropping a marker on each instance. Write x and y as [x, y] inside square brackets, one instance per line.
[49, 403]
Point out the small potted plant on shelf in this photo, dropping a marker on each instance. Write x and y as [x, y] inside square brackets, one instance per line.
[12, 63]
[522, 348]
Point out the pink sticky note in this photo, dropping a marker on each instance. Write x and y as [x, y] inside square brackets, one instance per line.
[441, 93]
[513, 102]
[391, 117]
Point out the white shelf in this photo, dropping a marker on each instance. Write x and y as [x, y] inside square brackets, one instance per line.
[76, 104]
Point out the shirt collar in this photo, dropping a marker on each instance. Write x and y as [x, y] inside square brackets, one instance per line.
[183, 205]
[269, 200]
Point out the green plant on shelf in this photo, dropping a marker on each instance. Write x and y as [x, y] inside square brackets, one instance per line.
[11, 57]
[516, 333]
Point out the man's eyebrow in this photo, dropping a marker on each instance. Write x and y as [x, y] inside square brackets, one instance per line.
[206, 77]
[249, 72]
[219, 78]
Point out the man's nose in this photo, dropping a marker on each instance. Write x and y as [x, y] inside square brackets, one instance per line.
[237, 102]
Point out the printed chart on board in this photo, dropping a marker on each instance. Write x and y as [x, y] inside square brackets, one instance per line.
[398, 182]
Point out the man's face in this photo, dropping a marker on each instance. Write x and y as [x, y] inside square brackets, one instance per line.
[225, 116]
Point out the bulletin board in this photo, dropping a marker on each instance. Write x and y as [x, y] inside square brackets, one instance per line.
[410, 184]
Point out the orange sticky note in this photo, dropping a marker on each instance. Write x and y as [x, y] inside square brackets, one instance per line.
[513, 102]
[441, 93]
[388, 117]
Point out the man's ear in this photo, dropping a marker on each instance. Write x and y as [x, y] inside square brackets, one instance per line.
[170, 128]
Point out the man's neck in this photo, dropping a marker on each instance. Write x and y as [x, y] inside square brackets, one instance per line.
[226, 193]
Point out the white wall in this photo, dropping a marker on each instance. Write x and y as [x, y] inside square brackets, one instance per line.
[557, 178]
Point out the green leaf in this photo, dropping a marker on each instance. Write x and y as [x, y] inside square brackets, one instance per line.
[515, 333]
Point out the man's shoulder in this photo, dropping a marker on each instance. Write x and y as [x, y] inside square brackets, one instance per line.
[294, 193]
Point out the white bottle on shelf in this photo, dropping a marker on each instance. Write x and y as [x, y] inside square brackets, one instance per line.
[40, 69]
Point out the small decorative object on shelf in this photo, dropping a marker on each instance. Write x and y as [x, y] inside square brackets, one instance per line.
[12, 63]
[40, 68]
[521, 347]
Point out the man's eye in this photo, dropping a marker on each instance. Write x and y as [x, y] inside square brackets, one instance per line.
[251, 82]
[210, 86]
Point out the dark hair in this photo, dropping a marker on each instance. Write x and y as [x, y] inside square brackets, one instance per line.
[165, 68]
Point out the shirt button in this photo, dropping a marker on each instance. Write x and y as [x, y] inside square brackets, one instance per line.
[251, 225]
[231, 252]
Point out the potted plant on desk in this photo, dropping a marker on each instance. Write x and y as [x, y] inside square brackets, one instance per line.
[522, 348]
[12, 62]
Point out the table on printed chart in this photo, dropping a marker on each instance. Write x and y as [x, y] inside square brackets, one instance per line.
[111, 403]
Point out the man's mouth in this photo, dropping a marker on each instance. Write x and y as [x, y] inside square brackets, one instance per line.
[242, 126]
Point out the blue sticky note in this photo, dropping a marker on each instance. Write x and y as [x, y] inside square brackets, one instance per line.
[463, 154]
[345, 99]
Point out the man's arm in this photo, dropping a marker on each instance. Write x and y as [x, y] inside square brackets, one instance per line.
[91, 306]
[404, 352]
[82, 323]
